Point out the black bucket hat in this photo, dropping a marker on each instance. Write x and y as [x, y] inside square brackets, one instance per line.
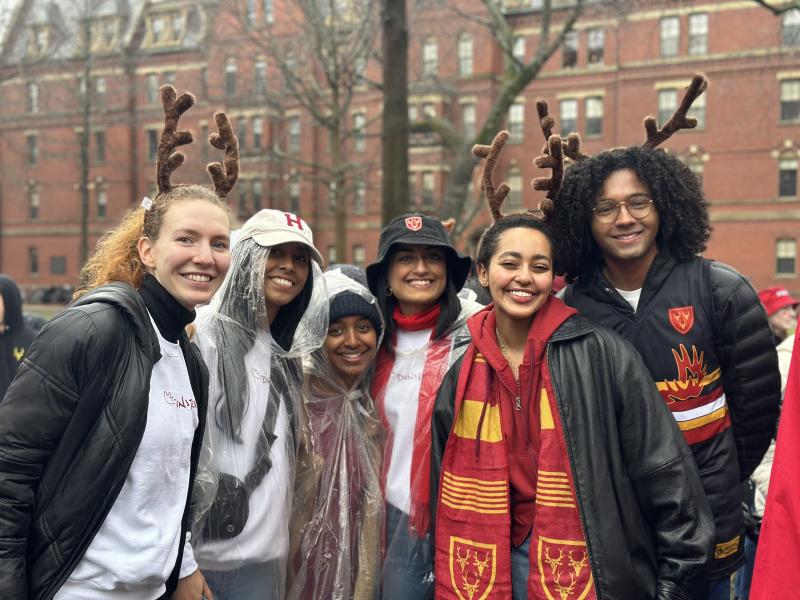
[419, 230]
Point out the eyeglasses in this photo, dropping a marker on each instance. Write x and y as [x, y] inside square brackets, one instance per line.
[607, 211]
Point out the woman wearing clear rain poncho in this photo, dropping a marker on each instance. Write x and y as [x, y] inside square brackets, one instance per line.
[268, 314]
[416, 279]
[338, 509]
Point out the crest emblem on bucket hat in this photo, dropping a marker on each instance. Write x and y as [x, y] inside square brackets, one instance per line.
[414, 223]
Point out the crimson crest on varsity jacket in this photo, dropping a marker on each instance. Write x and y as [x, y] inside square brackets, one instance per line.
[682, 318]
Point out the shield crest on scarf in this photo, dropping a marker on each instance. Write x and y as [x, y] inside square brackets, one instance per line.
[414, 223]
[564, 571]
[681, 318]
[473, 567]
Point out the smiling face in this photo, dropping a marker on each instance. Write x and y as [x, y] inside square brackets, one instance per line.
[192, 252]
[626, 239]
[351, 345]
[417, 277]
[285, 275]
[519, 274]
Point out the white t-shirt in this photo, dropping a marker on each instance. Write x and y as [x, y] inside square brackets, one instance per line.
[400, 403]
[631, 297]
[135, 550]
[265, 535]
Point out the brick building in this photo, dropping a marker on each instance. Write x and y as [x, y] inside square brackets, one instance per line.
[612, 70]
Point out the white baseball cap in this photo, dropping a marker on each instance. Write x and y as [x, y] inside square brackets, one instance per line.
[270, 227]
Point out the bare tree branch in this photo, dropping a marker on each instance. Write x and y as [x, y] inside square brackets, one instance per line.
[778, 10]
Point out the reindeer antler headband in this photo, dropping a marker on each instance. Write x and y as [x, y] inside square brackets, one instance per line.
[223, 175]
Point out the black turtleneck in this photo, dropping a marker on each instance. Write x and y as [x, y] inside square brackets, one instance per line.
[171, 316]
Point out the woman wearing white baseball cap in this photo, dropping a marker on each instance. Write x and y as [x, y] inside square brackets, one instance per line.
[251, 340]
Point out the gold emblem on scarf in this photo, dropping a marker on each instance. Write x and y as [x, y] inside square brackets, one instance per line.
[564, 570]
[473, 567]
[19, 353]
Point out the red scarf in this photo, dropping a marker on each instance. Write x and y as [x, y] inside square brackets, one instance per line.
[436, 365]
[473, 526]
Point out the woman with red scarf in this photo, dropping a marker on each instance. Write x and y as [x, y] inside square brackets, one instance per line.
[561, 473]
[416, 280]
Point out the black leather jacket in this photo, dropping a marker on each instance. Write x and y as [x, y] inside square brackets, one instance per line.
[84, 384]
[647, 523]
[726, 336]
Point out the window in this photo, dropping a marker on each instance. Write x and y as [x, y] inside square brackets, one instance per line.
[332, 187]
[465, 54]
[33, 150]
[785, 256]
[241, 206]
[241, 133]
[568, 116]
[790, 27]
[100, 92]
[468, 120]
[695, 164]
[359, 256]
[667, 103]
[100, 146]
[168, 77]
[360, 198]
[428, 110]
[294, 196]
[698, 34]
[670, 36]
[294, 135]
[569, 51]
[430, 58]
[152, 144]
[258, 195]
[428, 187]
[596, 40]
[102, 203]
[790, 100]
[413, 113]
[515, 188]
[787, 178]
[258, 133]
[269, 11]
[157, 27]
[250, 11]
[331, 254]
[698, 111]
[594, 116]
[33, 97]
[359, 138]
[412, 187]
[33, 203]
[518, 50]
[58, 265]
[81, 88]
[33, 261]
[230, 77]
[260, 77]
[151, 90]
[516, 122]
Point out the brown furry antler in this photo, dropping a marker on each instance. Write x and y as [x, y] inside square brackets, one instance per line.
[571, 145]
[224, 175]
[678, 120]
[552, 159]
[490, 153]
[167, 159]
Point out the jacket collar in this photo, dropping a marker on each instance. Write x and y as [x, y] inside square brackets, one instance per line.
[125, 298]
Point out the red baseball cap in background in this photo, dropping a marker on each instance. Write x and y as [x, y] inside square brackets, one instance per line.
[776, 298]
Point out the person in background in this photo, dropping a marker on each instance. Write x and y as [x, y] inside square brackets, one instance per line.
[101, 429]
[15, 334]
[416, 279]
[781, 310]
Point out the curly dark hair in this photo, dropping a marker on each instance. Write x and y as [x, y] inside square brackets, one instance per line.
[682, 209]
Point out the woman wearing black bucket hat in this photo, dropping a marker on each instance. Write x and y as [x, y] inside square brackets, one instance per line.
[416, 279]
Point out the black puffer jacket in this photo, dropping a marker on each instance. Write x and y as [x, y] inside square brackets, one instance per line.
[647, 524]
[15, 334]
[84, 383]
[704, 337]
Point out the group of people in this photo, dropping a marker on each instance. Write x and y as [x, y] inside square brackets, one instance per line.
[224, 420]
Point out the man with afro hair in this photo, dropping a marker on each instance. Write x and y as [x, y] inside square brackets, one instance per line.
[631, 223]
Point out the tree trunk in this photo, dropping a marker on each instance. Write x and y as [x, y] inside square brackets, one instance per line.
[340, 193]
[86, 110]
[394, 138]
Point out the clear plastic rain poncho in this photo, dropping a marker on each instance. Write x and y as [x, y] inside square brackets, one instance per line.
[338, 512]
[407, 570]
[243, 491]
